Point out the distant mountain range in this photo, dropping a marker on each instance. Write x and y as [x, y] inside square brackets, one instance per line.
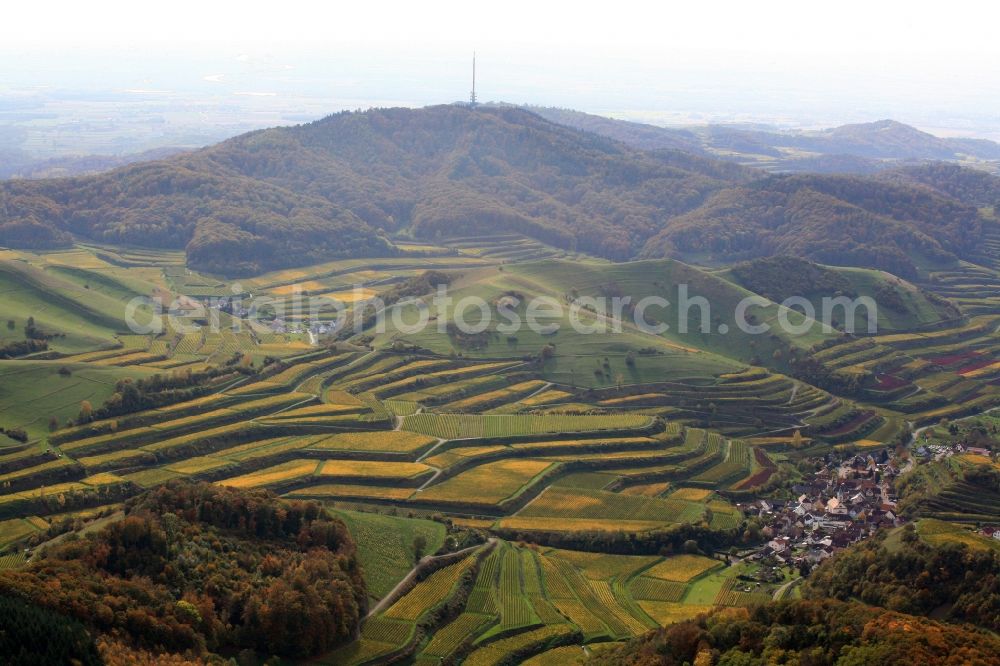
[858, 148]
[344, 185]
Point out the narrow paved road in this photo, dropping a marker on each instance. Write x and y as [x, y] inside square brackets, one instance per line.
[916, 432]
[413, 572]
[795, 392]
[779, 593]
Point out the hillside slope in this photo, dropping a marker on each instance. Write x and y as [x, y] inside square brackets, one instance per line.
[841, 220]
[896, 140]
[969, 185]
[637, 135]
[681, 349]
[906, 574]
[901, 304]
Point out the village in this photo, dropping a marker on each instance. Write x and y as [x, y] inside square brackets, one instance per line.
[843, 502]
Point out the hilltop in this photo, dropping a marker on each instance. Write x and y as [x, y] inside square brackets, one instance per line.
[671, 352]
[328, 189]
[889, 139]
[902, 305]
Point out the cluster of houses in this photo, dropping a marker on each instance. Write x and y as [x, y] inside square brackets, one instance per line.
[940, 451]
[317, 327]
[233, 306]
[991, 531]
[844, 502]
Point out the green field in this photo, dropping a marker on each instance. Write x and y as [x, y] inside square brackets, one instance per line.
[553, 280]
[696, 352]
[939, 533]
[61, 302]
[903, 305]
[31, 392]
[385, 545]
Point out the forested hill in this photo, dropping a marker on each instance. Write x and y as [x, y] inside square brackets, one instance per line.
[323, 190]
[195, 569]
[969, 185]
[841, 220]
[806, 632]
[957, 581]
[337, 187]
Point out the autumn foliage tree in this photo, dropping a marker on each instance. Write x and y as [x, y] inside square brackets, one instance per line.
[806, 632]
[198, 568]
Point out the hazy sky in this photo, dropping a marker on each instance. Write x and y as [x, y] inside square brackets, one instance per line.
[623, 26]
[934, 64]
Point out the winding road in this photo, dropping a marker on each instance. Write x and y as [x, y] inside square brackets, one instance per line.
[391, 597]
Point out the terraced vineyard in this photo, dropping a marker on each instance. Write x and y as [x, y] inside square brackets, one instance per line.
[454, 426]
[522, 600]
[315, 426]
[12, 560]
[942, 490]
[561, 449]
[921, 377]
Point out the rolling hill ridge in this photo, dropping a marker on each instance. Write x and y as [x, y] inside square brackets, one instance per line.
[343, 186]
[289, 196]
[860, 148]
[842, 220]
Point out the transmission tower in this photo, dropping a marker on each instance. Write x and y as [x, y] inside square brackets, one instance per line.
[472, 97]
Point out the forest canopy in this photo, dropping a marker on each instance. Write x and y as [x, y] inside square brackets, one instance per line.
[807, 632]
[195, 569]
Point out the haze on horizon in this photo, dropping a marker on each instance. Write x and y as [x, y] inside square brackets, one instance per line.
[215, 69]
